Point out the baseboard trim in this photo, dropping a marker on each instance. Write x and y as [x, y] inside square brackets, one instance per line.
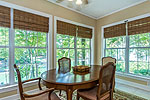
[16, 96]
[12, 97]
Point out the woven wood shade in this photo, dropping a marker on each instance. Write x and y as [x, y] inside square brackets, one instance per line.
[28, 21]
[72, 30]
[66, 28]
[114, 31]
[139, 26]
[4, 16]
[84, 32]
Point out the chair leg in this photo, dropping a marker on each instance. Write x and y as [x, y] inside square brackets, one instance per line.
[49, 96]
[78, 97]
[60, 93]
[114, 87]
[111, 95]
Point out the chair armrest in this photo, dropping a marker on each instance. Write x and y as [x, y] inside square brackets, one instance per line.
[37, 94]
[31, 80]
[34, 80]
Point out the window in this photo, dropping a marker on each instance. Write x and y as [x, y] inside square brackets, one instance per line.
[30, 53]
[115, 47]
[74, 42]
[139, 54]
[72, 47]
[83, 51]
[65, 47]
[132, 49]
[22, 43]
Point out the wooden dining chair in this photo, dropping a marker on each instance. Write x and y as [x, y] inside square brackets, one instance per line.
[104, 89]
[47, 94]
[64, 66]
[105, 60]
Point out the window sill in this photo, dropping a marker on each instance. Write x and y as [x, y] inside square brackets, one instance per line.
[137, 77]
[14, 87]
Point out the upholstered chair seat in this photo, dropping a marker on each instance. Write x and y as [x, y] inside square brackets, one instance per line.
[91, 94]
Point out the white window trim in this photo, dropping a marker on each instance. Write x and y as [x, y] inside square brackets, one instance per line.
[137, 77]
[9, 87]
[76, 23]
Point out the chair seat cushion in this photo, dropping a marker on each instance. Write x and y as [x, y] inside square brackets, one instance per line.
[91, 93]
[44, 97]
[88, 93]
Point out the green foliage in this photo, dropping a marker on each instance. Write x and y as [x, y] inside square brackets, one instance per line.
[31, 61]
[66, 48]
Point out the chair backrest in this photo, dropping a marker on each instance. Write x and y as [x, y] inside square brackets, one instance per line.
[64, 65]
[19, 82]
[105, 60]
[106, 79]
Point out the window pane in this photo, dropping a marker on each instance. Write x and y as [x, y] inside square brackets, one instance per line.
[4, 66]
[41, 61]
[20, 38]
[83, 56]
[42, 39]
[83, 43]
[139, 61]
[32, 62]
[66, 53]
[4, 36]
[65, 41]
[32, 38]
[140, 40]
[119, 54]
[116, 42]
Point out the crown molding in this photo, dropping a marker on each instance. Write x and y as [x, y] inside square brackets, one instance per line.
[122, 9]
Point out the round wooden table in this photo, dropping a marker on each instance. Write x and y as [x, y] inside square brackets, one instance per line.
[70, 81]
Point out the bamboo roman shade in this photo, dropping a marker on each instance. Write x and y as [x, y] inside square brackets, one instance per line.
[114, 31]
[4, 16]
[66, 28]
[84, 32]
[73, 30]
[27, 21]
[139, 26]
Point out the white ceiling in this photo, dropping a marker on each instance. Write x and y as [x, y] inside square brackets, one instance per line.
[99, 8]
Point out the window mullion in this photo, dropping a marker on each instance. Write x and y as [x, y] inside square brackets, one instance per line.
[11, 50]
[127, 50]
[90, 52]
[75, 48]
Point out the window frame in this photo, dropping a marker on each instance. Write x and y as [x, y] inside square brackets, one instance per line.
[127, 48]
[75, 39]
[12, 46]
